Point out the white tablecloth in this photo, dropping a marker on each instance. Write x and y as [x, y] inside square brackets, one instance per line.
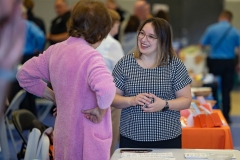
[179, 153]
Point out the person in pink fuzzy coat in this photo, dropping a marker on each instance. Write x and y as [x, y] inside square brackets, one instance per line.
[83, 88]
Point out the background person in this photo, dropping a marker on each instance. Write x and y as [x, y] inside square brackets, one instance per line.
[12, 31]
[151, 71]
[110, 48]
[34, 39]
[223, 39]
[111, 4]
[34, 44]
[141, 10]
[29, 4]
[130, 34]
[58, 30]
[80, 81]
[162, 14]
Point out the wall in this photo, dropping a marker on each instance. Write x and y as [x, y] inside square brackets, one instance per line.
[234, 6]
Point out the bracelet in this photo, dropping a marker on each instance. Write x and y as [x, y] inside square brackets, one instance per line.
[166, 107]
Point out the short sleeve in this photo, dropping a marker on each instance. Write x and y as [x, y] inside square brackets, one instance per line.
[181, 78]
[205, 39]
[118, 75]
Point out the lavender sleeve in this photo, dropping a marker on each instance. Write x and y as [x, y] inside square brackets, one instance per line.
[101, 82]
[32, 74]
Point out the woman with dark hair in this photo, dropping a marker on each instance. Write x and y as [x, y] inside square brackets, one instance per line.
[29, 4]
[130, 34]
[83, 88]
[152, 87]
[162, 14]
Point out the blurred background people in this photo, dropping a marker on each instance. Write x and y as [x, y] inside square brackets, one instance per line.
[12, 31]
[142, 10]
[29, 4]
[58, 30]
[110, 48]
[34, 39]
[162, 14]
[130, 34]
[112, 52]
[111, 4]
[34, 44]
[223, 39]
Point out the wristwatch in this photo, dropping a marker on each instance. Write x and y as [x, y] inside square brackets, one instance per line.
[166, 107]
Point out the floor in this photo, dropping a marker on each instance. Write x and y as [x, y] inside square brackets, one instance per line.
[235, 126]
[235, 117]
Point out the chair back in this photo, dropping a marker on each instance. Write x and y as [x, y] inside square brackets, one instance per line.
[15, 103]
[22, 120]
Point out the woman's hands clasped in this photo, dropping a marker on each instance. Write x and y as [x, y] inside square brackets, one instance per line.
[141, 99]
[149, 102]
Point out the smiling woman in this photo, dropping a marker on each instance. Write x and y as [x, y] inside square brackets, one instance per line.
[162, 47]
[152, 87]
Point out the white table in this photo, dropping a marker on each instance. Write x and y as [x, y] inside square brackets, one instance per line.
[179, 153]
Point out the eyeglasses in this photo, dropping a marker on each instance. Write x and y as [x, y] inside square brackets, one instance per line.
[150, 38]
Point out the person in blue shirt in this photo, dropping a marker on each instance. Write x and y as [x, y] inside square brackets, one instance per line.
[34, 38]
[223, 39]
[34, 41]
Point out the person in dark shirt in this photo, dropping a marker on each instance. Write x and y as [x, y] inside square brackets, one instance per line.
[29, 4]
[111, 4]
[58, 30]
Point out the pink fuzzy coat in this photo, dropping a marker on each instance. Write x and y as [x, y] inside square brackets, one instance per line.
[80, 81]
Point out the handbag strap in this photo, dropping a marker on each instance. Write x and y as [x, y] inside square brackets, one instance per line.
[224, 35]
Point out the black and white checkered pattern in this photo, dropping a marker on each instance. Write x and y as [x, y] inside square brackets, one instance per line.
[162, 81]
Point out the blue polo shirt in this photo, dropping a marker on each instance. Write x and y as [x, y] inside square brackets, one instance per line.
[34, 38]
[226, 48]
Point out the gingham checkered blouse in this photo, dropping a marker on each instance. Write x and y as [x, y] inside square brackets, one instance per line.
[163, 81]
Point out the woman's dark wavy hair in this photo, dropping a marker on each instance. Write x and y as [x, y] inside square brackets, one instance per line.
[132, 25]
[163, 33]
[89, 20]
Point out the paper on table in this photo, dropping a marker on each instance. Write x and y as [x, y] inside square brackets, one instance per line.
[190, 122]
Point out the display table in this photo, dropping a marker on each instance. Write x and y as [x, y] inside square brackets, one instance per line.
[179, 153]
[208, 138]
